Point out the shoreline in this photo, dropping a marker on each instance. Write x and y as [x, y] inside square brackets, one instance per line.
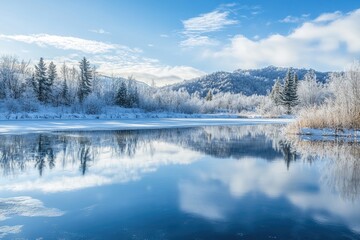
[52, 125]
[329, 134]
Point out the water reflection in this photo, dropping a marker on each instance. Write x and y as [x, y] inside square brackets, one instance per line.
[341, 167]
[136, 152]
[241, 175]
[23, 206]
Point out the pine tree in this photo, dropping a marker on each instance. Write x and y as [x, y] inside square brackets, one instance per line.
[40, 82]
[121, 98]
[294, 89]
[65, 93]
[132, 93]
[85, 80]
[209, 96]
[51, 76]
[52, 73]
[289, 96]
[275, 94]
[135, 98]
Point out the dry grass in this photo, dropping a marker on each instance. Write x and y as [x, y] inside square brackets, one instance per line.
[325, 116]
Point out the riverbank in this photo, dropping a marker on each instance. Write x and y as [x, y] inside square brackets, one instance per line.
[28, 126]
[324, 134]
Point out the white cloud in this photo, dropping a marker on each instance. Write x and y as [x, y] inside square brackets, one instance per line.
[99, 31]
[6, 230]
[111, 59]
[162, 75]
[142, 69]
[324, 45]
[291, 19]
[195, 41]
[328, 17]
[195, 28]
[208, 22]
[63, 42]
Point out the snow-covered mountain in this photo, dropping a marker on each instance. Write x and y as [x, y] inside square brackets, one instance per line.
[248, 82]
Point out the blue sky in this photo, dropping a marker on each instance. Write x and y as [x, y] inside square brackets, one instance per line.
[172, 40]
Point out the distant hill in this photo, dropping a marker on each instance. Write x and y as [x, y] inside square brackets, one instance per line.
[248, 82]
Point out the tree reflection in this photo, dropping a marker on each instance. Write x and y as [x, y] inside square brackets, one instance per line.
[43, 153]
[341, 168]
[82, 150]
[84, 155]
[288, 152]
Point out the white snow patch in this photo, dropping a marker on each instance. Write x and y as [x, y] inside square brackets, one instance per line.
[329, 134]
[27, 126]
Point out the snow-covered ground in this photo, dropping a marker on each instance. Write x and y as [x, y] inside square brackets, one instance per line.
[329, 134]
[27, 126]
[107, 112]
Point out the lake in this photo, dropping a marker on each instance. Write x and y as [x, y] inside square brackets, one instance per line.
[229, 182]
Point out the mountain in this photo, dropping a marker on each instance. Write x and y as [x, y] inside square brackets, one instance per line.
[247, 82]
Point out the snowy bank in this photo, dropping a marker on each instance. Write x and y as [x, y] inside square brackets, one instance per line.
[27, 126]
[329, 134]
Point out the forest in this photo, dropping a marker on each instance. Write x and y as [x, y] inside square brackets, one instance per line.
[79, 89]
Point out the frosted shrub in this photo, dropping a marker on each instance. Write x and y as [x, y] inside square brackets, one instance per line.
[12, 106]
[342, 107]
[93, 106]
[268, 108]
[30, 106]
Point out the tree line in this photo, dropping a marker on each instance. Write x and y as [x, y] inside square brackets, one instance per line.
[69, 85]
[79, 88]
[286, 94]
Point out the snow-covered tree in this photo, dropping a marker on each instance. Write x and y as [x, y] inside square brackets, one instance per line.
[132, 94]
[52, 73]
[276, 91]
[310, 91]
[121, 98]
[85, 80]
[209, 96]
[342, 108]
[41, 83]
[289, 98]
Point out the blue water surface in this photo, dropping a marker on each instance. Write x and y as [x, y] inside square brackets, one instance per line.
[241, 182]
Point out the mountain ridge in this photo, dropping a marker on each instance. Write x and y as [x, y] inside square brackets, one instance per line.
[245, 81]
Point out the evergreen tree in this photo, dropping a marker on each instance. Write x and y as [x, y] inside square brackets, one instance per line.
[65, 93]
[132, 93]
[136, 97]
[51, 76]
[52, 73]
[275, 94]
[40, 82]
[121, 98]
[295, 90]
[209, 96]
[85, 80]
[289, 96]
[133, 97]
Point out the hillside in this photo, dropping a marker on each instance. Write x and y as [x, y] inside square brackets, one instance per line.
[248, 82]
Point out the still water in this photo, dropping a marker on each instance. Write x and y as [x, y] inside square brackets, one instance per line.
[244, 182]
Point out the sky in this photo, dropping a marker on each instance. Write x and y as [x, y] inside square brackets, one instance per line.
[168, 41]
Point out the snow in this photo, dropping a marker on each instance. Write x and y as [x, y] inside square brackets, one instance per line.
[28, 126]
[329, 134]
